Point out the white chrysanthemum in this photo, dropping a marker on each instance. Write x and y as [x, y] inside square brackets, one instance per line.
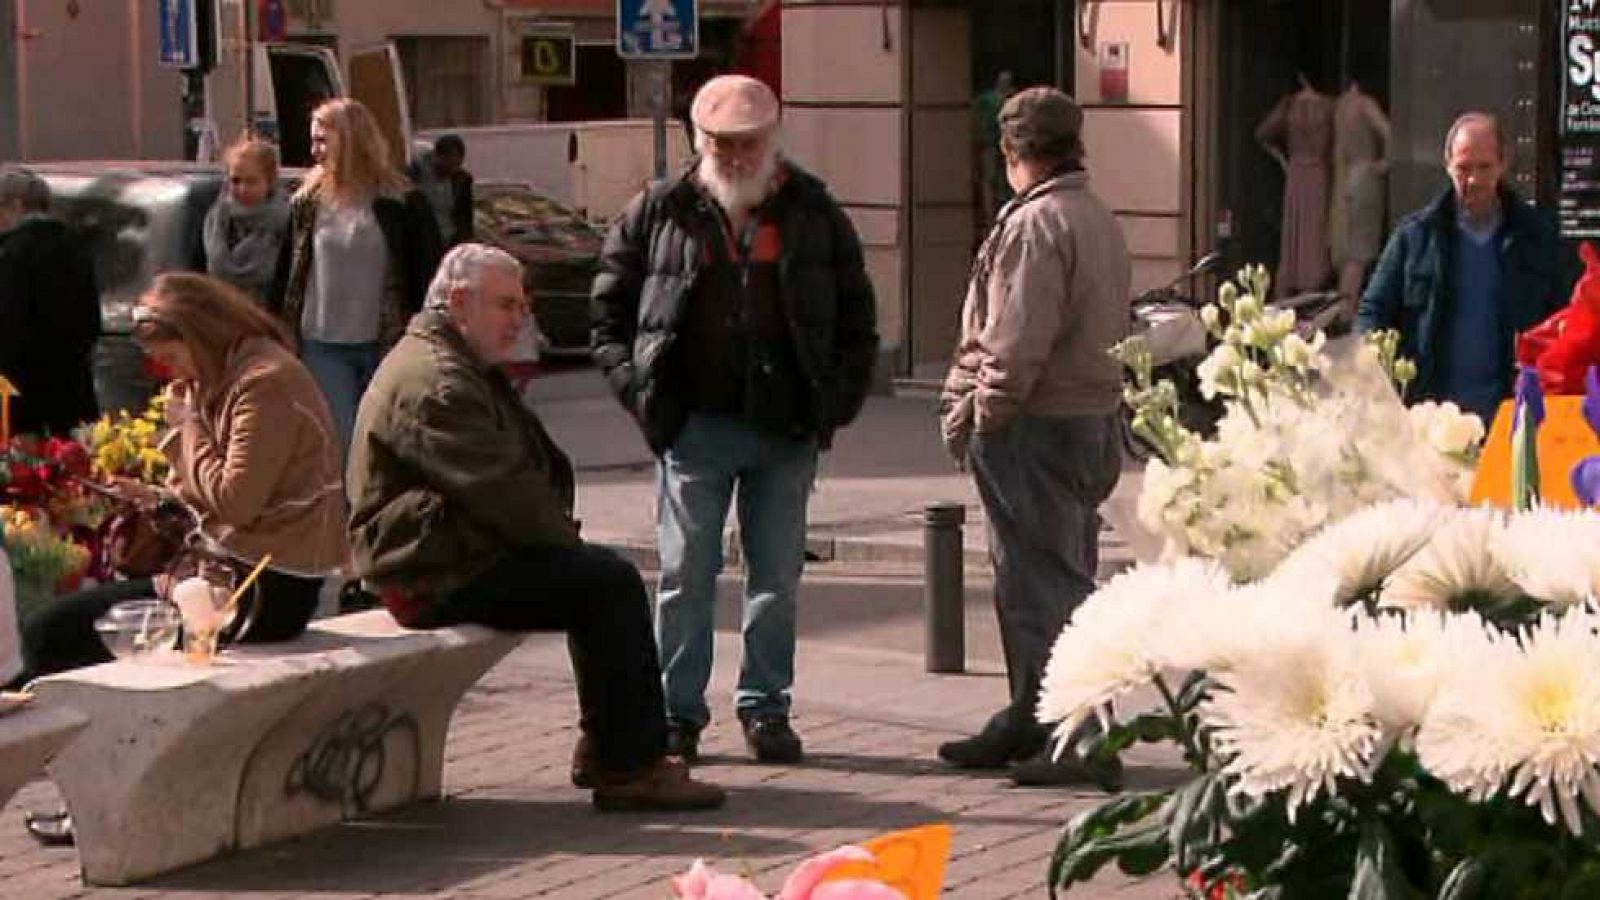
[1456, 570]
[1221, 631]
[1550, 554]
[1405, 659]
[1524, 719]
[1360, 552]
[1117, 640]
[1295, 717]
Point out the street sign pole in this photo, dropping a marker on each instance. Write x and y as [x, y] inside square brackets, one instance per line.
[662, 88]
[657, 32]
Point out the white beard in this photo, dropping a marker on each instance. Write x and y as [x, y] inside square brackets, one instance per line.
[739, 195]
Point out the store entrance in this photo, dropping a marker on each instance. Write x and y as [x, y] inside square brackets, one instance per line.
[1272, 50]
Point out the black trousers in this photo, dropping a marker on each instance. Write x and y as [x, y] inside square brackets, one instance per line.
[599, 600]
[1042, 481]
[60, 635]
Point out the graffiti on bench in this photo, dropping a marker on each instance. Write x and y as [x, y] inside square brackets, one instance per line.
[346, 762]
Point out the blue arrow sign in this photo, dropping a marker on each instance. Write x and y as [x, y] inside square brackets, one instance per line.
[180, 36]
[658, 29]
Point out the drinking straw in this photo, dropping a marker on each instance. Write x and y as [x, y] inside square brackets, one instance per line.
[233, 602]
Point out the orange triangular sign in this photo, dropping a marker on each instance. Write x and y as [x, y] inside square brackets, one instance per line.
[912, 862]
[1564, 439]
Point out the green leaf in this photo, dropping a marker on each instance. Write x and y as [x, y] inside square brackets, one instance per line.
[1153, 729]
[1584, 885]
[1101, 823]
[1192, 818]
[1194, 689]
[1378, 875]
[1139, 850]
[1465, 881]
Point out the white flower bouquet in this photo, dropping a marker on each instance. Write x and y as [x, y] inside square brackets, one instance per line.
[1408, 705]
[1307, 436]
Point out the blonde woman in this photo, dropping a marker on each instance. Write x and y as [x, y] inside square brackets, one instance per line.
[363, 246]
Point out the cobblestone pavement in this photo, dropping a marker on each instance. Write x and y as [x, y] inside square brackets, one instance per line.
[512, 827]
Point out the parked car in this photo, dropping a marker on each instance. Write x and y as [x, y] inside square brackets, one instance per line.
[137, 219]
[141, 218]
[558, 249]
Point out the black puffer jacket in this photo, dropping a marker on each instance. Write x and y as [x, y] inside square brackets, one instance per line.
[647, 274]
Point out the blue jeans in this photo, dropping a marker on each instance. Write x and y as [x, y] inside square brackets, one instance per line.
[712, 457]
[343, 371]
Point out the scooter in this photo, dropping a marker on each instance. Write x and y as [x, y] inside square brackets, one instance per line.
[1168, 318]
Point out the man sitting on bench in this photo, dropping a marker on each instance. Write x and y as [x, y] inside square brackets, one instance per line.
[461, 511]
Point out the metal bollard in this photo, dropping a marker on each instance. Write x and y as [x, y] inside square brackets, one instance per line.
[943, 558]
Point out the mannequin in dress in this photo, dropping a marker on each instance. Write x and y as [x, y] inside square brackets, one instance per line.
[1298, 133]
[1361, 160]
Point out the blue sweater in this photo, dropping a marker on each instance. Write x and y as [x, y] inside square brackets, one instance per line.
[1473, 367]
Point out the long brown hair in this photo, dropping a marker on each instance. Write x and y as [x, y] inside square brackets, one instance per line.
[360, 162]
[210, 317]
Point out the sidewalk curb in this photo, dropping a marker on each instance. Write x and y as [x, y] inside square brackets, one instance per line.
[642, 552]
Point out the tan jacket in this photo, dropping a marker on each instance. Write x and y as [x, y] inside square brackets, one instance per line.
[258, 460]
[1048, 299]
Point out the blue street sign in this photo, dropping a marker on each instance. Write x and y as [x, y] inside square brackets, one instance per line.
[658, 29]
[180, 34]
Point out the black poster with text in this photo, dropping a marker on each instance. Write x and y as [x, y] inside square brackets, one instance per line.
[1580, 120]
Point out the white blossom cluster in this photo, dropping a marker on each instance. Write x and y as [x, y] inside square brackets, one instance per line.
[1307, 438]
[1372, 637]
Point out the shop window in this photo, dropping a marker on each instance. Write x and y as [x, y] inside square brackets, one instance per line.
[601, 92]
[447, 80]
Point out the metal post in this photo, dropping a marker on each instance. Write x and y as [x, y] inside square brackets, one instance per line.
[944, 642]
[661, 88]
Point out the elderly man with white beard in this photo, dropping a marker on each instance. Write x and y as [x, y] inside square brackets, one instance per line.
[734, 320]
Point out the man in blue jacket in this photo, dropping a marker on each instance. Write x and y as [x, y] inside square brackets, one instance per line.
[1462, 276]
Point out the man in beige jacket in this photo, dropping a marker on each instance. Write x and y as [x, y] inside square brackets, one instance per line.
[1030, 404]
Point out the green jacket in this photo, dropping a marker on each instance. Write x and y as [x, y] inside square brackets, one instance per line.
[448, 470]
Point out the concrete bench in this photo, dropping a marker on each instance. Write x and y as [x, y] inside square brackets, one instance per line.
[29, 737]
[182, 763]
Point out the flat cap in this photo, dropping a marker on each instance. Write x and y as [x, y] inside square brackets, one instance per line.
[1041, 117]
[734, 104]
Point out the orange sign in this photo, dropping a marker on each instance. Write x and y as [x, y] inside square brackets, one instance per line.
[1564, 439]
[912, 862]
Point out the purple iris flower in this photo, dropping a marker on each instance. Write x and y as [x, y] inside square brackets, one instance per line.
[1530, 395]
[1586, 481]
[1591, 399]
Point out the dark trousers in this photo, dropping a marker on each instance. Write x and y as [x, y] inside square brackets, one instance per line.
[1041, 481]
[598, 599]
[60, 635]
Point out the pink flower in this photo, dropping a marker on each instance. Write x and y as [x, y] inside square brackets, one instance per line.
[805, 882]
[702, 882]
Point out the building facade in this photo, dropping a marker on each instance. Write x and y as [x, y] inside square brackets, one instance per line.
[879, 97]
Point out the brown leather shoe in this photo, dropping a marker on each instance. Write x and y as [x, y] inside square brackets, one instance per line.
[663, 787]
[585, 767]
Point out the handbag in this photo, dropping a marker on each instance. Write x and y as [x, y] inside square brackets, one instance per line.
[144, 539]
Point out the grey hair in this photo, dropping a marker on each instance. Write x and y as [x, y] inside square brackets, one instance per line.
[19, 185]
[463, 267]
[1479, 118]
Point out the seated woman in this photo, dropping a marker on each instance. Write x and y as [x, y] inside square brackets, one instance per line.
[253, 455]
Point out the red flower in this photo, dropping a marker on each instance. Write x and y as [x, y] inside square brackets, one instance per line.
[69, 455]
[23, 483]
